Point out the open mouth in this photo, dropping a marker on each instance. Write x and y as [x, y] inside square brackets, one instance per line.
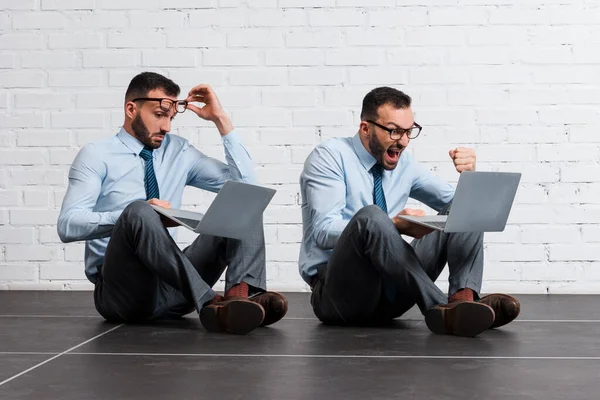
[393, 154]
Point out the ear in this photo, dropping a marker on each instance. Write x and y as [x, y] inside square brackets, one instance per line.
[364, 129]
[130, 109]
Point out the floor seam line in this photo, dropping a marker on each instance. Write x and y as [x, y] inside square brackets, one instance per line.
[58, 355]
[398, 357]
[70, 353]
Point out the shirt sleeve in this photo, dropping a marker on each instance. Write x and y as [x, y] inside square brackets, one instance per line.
[77, 219]
[210, 174]
[324, 196]
[430, 189]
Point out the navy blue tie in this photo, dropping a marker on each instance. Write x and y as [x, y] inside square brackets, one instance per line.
[378, 196]
[379, 200]
[149, 178]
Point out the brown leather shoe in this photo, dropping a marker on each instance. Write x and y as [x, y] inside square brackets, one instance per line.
[466, 318]
[275, 305]
[235, 315]
[506, 307]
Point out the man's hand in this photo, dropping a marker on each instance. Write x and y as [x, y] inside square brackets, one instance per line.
[160, 203]
[212, 110]
[410, 228]
[463, 159]
[168, 223]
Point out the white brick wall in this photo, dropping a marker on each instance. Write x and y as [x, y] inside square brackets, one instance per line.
[517, 80]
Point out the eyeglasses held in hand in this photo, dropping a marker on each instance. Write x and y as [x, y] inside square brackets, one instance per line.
[167, 104]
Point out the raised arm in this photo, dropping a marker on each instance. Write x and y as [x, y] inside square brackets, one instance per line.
[430, 189]
[210, 174]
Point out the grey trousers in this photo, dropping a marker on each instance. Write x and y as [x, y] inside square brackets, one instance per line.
[371, 256]
[146, 276]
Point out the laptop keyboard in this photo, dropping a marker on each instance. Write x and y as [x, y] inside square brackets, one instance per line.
[437, 224]
[192, 223]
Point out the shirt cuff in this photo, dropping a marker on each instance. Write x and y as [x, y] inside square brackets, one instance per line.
[231, 138]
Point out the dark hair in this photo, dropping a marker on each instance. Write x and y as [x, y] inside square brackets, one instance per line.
[381, 96]
[145, 82]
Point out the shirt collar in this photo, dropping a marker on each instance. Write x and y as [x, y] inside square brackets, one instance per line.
[135, 145]
[366, 159]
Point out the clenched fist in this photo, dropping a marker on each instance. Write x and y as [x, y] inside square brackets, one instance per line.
[463, 158]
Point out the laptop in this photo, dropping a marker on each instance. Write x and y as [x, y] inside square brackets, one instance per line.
[236, 209]
[482, 203]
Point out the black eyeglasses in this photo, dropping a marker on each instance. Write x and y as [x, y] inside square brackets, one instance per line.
[397, 133]
[167, 104]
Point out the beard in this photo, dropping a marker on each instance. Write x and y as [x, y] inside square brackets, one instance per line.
[378, 150]
[143, 134]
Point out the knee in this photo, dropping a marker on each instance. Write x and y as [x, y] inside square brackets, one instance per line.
[370, 213]
[373, 217]
[136, 210]
[136, 213]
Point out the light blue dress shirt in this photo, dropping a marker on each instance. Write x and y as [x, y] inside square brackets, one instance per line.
[336, 183]
[107, 175]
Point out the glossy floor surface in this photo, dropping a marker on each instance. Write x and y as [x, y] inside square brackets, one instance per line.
[53, 345]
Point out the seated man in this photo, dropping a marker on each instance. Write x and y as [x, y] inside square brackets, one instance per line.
[353, 256]
[139, 272]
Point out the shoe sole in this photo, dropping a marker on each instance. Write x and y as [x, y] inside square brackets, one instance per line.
[498, 322]
[237, 317]
[468, 319]
[278, 310]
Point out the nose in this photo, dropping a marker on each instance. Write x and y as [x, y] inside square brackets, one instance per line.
[166, 125]
[404, 140]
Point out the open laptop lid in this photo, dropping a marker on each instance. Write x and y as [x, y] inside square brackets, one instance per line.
[482, 201]
[236, 210]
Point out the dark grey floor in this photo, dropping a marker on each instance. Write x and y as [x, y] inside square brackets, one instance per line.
[53, 345]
